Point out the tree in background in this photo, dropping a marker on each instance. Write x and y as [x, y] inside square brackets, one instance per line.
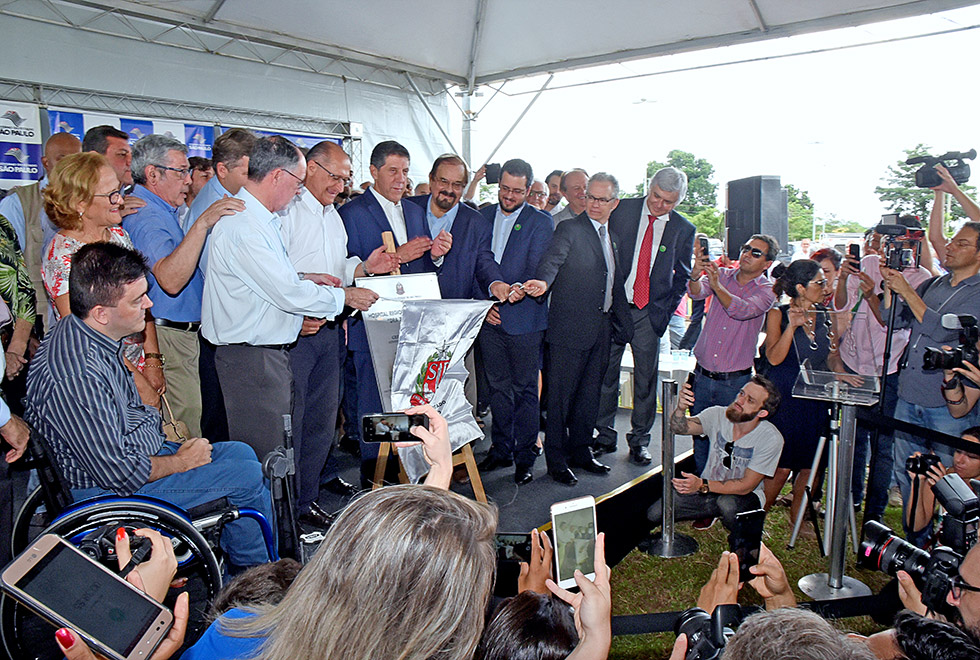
[902, 195]
[799, 212]
[702, 193]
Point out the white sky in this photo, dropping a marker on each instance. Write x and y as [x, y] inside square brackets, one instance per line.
[829, 123]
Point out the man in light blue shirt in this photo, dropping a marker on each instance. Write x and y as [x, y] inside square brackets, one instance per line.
[255, 301]
[161, 172]
[24, 209]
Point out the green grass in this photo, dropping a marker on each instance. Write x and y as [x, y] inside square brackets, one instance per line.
[642, 584]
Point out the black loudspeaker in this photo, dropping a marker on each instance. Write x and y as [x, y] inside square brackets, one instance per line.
[756, 205]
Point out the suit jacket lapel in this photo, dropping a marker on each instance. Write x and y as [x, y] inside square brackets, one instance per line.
[630, 224]
[379, 216]
[521, 218]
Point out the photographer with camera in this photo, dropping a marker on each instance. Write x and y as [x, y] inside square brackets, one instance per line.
[947, 186]
[862, 350]
[920, 389]
[928, 470]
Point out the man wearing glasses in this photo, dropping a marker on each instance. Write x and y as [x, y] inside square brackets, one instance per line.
[538, 197]
[655, 243]
[162, 175]
[744, 449]
[740, 298]
[255, 300]
[587, 311]
[316, 242]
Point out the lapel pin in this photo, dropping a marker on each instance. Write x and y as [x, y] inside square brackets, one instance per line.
[517, 227]
[663, 248]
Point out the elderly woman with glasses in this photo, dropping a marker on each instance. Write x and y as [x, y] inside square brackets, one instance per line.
[83, 199]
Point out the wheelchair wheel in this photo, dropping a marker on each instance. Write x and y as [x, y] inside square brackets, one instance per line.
[30, 521]
[27, 636]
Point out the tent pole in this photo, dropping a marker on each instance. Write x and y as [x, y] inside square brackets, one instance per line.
[518, 120]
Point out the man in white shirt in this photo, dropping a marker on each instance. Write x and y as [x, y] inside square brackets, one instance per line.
[316, 242]
[255, 300]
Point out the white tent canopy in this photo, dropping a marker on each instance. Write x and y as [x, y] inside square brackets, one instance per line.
[382, 63]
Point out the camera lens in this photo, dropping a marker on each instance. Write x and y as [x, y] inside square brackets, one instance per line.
[881, 550]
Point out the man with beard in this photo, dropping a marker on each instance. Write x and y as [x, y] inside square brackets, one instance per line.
[553, 182]
[745, 449]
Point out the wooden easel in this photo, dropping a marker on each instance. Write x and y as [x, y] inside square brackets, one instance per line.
[462, 456]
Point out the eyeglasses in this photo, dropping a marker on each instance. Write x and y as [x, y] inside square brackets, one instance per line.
[755, 252]
[537, 195]
[299, 180]
[182, 171]
[729, 450]
[115, 196]
[821, 283]
[601, 200]
[455, 185]
[344, 180]
[514, 191]
[957, 585]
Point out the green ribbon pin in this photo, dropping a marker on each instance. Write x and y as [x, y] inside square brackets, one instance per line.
[517, 227]
[663, 248]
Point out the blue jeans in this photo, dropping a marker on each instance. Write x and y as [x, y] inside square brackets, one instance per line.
[937, 419]
[233, 472]
[879, 472]
[710, 392]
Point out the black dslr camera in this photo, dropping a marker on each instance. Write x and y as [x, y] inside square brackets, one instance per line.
[706, 633]
[959, 529]
[927, 176]
[883, 551]
[921, 464]
[966, 351]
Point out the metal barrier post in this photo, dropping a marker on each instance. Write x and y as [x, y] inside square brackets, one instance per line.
[667, 543]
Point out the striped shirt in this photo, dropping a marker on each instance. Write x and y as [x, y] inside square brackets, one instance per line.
[83, 401]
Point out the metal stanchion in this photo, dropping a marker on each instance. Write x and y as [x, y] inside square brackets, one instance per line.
[667, 543]
[834, 584]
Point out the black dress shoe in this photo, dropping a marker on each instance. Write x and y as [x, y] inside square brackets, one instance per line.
[602, 448]
[340, 487]
[640, 456]
[315, 516]
[492, 462]
[592, 465]
[537, 449]
[523, 475]
[565, 476]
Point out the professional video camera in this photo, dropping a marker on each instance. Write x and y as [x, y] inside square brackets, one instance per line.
[966, 351]
[927, 176]
[959, 528]
[706, 633]
[883, 551]
[902, 244]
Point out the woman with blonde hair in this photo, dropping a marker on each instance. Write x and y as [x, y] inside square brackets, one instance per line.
[83, 198]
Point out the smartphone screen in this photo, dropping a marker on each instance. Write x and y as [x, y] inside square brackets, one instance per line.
[70, 589]
[745, 540]
[703, 242]
[391, 427]
[513, 547]
[854, 250]
[574, 530]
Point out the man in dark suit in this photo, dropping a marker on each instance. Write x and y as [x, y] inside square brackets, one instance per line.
[656, 245]
[511, 337]
[366, 217]
[588, 309]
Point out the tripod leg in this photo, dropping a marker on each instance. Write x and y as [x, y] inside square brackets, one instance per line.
[807, 493]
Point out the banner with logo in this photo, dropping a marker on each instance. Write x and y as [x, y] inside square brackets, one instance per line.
[63, 121]
[429, 368]
[135, 128]
[199, 140]
[20, 144]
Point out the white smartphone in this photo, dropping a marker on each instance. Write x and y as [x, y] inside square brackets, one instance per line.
[574, 529]
[70, 590]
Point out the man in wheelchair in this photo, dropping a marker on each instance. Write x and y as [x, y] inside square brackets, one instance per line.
[83, 401]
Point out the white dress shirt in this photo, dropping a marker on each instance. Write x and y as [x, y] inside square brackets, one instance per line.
[658, 233]
[252, 293]
[396, 217]
[316, 240]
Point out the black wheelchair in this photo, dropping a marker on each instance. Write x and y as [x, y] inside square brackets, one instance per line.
[49, 509]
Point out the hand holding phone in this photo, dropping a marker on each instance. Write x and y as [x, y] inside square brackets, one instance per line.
[593, 602]
[391, 427]
[746, 539]
[574, 527]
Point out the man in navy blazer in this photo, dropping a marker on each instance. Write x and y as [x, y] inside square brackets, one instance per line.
[587, 312]
[366, 217]
[512, 335]
[656, 244]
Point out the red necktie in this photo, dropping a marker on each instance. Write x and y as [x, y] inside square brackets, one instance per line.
[641, 284]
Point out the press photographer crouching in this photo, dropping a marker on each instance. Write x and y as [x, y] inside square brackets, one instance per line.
[744, 449]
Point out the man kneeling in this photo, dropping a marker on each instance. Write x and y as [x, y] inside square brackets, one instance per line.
[745, 449]
[83, 401]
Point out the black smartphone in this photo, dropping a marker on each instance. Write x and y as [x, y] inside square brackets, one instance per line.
[703, 242]
[690, 380]
[513, 547]
[66, 587]
[391, 427]
[493, 173]
[746, 539]
[854, 251]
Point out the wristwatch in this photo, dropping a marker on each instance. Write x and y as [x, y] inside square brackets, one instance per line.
[951, 383]
[703, 490]
[158, 356]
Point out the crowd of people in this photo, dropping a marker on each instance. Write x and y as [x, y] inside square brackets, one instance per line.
[145, 286]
